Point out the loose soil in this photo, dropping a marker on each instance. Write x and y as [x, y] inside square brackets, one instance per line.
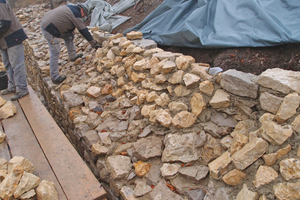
[251, 60]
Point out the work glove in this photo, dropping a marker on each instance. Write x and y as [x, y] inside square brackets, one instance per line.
[95, 44]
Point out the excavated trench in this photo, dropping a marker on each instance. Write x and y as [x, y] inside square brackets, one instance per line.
[152, 124]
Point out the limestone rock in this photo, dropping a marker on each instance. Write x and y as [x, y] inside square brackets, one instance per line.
[290, 168]
[8, 110]
[296, 124]
[19, 160]
[196, 172]
[176, 77]
[284, 81]
[2, 101]
[206, 87]
[178, 106]
[141, 168]
[234, 177]
[165, 55]
[276, 134]
[221, 99]
[264, 175]
[93, 91]
[168, 67]
[2, 137]
[239, 83]
[184, 119]
[71, 99]
[27, 182]
[284, 191]
[270, 102]
[141, 189]
[220, 165]
[169, 169]
[164, 118]
[161, 192]
[288, 107]
[133, 35]
[10, 183]
[180, 148]
[239, 140]
[184, 62]
[190, 79]
[98, 150]
[245, 193]
[198, 104]
[118, 166]
[249, 153]
[147, 148]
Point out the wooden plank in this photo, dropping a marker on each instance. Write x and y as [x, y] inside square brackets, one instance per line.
[22, 142]
[76, 179]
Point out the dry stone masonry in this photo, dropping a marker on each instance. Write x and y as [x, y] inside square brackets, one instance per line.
[156, 125]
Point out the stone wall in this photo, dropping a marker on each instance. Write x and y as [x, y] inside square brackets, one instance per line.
[155, 124]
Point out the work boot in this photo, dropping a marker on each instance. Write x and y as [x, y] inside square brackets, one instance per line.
[59, 80]
[19, 95]
[7, 91]
[77, 56]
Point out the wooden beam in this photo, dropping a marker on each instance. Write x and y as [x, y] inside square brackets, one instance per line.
[22, 142]
[76, 179]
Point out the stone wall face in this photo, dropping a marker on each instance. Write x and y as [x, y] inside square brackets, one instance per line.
[155, 124]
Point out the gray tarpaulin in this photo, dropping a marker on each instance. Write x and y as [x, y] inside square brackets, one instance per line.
[105, 16]
[223, 23]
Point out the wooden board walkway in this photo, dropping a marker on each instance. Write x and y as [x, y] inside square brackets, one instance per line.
[33, 134]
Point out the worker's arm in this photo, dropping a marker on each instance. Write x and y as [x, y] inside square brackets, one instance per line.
[4, 21]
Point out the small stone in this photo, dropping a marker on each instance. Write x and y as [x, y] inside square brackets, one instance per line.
[93, 92]
[290, 168]
[98, 150]
[220, 165]
[169, 169]
[288, 107]
[46, 190]
[285, 191]
[221, 99]
[245, 193]
[184, 119]
[234, 177]
[206, 87]
[141, 168]
[190, 79]
[133, 35]
[264, 175]
[141, 189]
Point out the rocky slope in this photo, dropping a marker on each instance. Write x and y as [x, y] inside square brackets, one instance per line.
[153, 124]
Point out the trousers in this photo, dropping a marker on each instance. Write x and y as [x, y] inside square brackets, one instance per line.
[54, 48]
[14, 62]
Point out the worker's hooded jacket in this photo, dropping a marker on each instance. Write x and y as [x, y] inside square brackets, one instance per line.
[11, 31]
[61, 22]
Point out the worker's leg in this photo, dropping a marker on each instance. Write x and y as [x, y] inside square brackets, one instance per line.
[17, 62]
[54, 47]
[10, 73]
[70, 46]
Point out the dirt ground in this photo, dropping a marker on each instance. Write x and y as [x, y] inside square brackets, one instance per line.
[252, 60]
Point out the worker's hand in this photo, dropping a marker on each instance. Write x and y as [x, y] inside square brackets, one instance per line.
[95, 44]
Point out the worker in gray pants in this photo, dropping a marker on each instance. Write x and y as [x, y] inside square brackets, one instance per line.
[12, 36]
[59, 24]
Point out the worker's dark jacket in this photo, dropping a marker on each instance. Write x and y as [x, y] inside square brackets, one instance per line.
[11, 31]
[62, 21]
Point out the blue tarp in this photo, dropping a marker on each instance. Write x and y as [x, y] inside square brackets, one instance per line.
[223, 23]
